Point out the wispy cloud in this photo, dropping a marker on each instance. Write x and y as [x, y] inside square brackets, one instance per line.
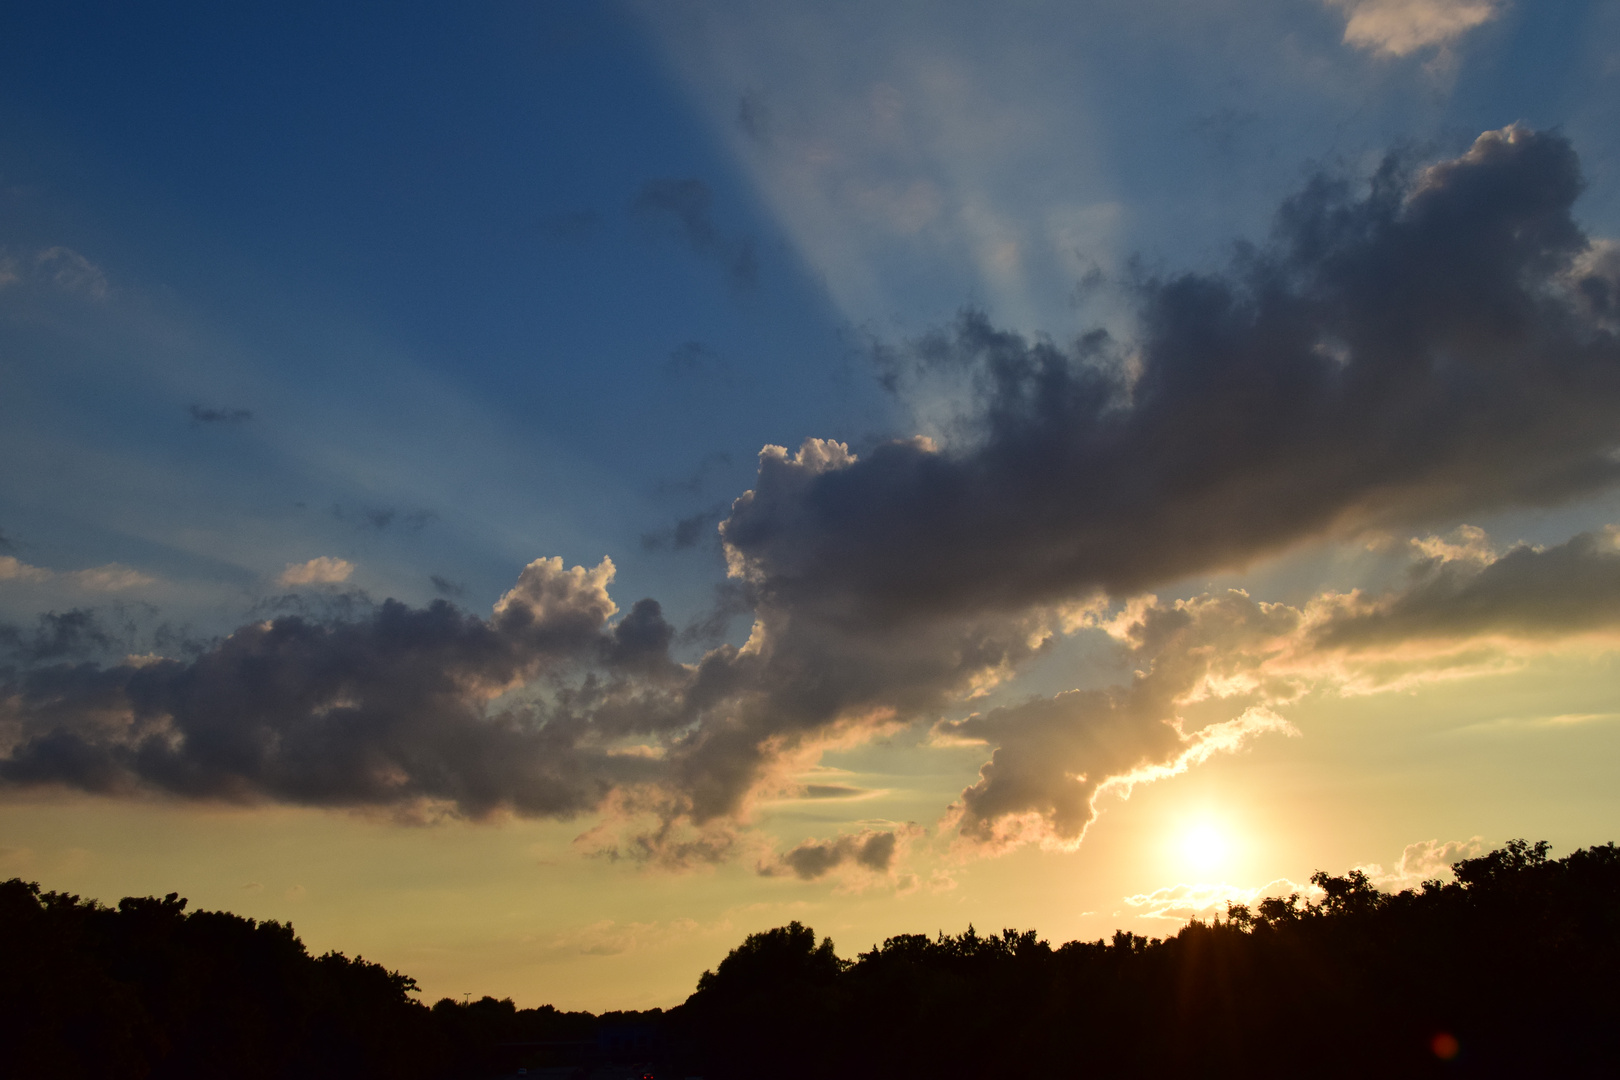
[1402, 27]
[1206, 901]
[112, 577]
[210, 414]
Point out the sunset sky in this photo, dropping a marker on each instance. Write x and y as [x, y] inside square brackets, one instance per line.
[533, 492]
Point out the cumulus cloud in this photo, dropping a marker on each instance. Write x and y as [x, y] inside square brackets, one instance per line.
[322, 570]
[1054, 756]
[1462, 609]
[1402, 27]
[1425, 860]
[1388, 359]
[388, 711]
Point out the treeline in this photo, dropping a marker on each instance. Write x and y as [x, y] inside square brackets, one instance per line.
[1512, 969]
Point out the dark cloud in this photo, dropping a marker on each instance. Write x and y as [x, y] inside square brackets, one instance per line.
[76, 634]
[731, 599]
[7, 543]
[392, 710]
[1526, 592]
[686, 533]
[872, 850]
[445, 587]
[685, 203]
[1399, 357]
[206, 414]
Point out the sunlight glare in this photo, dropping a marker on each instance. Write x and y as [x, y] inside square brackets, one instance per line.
[1204, 846]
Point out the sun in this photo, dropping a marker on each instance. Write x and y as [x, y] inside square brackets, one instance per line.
[1204, 846]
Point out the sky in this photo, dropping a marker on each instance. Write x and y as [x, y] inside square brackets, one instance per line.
[531, 493]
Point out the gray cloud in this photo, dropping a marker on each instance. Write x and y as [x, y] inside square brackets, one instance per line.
[395, 709]
[873, 850]
[445, 587]
[1525, 592]
[80, 633]
[1395, 358]
[686, 533]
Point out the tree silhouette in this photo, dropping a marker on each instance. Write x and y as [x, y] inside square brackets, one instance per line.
[1509, 970]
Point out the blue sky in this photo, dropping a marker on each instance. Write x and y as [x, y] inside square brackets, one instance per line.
[307, 308]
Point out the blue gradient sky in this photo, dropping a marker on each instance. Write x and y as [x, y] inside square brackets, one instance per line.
[430, 292]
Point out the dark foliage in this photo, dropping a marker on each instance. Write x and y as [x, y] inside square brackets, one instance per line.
[148, 990]
[1508, 971]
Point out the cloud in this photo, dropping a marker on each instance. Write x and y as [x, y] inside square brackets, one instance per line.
[112, 577]
[607, 937]
[321, 570]
[685, 203]
[1400, 357]
[1055, 756]
[1425, 349]
[1206, 901]
[78, 633]
[71, 272]
[445, 587]
[207, 414]
[383, 518]
[14, 569]
[1461, 610]
[1401, 27]
[394, 710]
[686, 533]
[1425, 860]
[1524, 593]
[872, 850]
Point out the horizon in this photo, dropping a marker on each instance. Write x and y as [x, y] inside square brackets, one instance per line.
[533, 495]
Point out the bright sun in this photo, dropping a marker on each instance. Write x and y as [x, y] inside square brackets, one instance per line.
[1204, 846]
